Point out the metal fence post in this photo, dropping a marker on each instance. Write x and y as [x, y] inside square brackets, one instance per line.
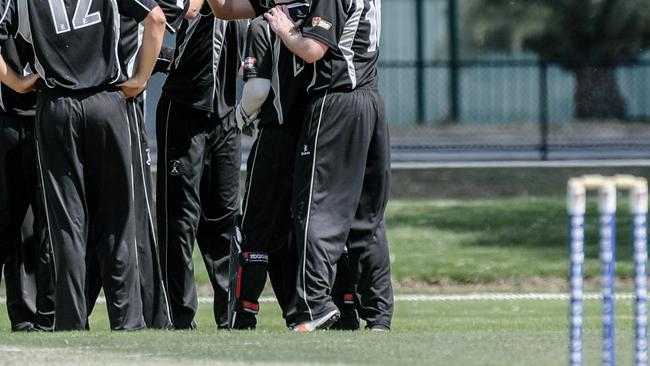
[419, 68]
[543, 109]
[454, 85]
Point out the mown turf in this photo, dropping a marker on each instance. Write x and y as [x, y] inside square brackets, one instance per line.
[431, 333]
[485, 240]
[488, 240]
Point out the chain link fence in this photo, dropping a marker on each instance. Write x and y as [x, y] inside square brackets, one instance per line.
[443, 104]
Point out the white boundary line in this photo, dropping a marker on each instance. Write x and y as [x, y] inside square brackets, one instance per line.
[523, 164]
[449, 298]
[424, 165]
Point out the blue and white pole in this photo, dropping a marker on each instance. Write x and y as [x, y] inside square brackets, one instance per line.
[577, 207]
[607, 211]
[639, 210]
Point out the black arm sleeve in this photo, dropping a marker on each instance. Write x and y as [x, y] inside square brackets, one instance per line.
[164, 61]
[326, 21]
[136, 9]
[258, 58]
[9, 19]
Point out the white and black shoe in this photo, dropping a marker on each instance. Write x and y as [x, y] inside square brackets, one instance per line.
[323, 322]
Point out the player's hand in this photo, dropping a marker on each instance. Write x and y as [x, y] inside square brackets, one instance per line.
[280, 23]
[27, 83]
[246, 123]
[194, 9]
[133, 87]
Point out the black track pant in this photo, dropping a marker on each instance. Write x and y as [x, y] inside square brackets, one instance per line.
[199, 158]
[155, 305]
[23, 252]
[85, 158]
[267, 225]
[365, 283]
[342, 176]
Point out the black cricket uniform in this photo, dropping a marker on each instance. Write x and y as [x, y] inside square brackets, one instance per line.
[266, 224]
[85, 161]
[342, 167]
[155, 303]
[23, 252]
[199, 158]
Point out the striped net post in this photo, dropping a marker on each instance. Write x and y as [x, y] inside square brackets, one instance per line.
[607, 229]
[639, 211]
[576, 205]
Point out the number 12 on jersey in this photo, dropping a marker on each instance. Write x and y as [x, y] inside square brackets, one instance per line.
[80, 19]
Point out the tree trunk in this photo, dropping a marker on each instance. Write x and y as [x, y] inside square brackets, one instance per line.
[597, 95]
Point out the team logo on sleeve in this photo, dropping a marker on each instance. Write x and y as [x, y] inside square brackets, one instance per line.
[249, 63]
[174, 168]
[318, 22]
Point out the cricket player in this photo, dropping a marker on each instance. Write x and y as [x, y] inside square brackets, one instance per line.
[82, 139]
[21, 211]
[199, 158]
[348, 66]
[155, 303]
[342, 167]
[272, 101]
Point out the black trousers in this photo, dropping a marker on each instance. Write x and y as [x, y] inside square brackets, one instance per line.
[267, 226]
[23, 250]
[199, 158]
[155, 304]
[86, 167]
[342, 177]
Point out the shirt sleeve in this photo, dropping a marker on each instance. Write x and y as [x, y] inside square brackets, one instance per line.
[258, 58]
[261, 6]
[136, 9]
[8, 19]
[174, 11]
[325, 23]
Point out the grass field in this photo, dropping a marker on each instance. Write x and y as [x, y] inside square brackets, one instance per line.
[485, 241]
[477, 241]
[488, 241]
[516, 244]
[425, 333]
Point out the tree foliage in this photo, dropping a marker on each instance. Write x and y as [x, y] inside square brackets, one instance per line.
[597, 31]
[587, 37]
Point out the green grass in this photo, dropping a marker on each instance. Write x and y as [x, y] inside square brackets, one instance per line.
[487, 240]
[483, 241]
[433, 333]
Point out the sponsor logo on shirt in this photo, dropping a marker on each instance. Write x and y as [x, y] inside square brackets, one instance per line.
[298, 65]
[249, 63]
[318, 22]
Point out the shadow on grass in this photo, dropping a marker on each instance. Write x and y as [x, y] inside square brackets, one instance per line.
[528, 223]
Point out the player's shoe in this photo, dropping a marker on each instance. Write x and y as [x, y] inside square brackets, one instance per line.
[23, 327]
[323, 322]
[349, 320]
[378, 328]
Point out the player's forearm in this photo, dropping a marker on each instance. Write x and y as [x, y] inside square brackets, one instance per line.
[306, 48]
[254, 94]
[154, 29]
[232, 9]
[11, 79]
